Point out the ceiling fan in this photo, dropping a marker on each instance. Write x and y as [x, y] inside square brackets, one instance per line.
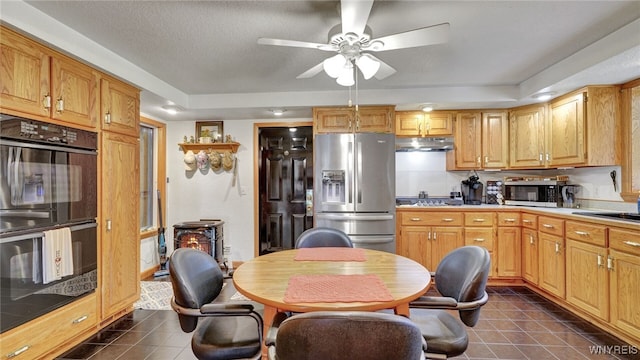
[352, 42]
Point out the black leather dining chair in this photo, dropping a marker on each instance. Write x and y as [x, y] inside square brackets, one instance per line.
[339, 335]
[461, 279]
[226, 330]
[323, 237]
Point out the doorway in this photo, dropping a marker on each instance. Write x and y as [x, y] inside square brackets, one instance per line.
[285, 186]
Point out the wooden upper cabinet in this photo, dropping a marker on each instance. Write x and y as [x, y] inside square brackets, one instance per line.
[582, 128]
[526, 136]
[120, 107]
[495, 140]
[74, 92]
[419, 123]
[378, 119]
[630, 125]
[24, 74]
[481, 140]
[41, 82]
[468, 141]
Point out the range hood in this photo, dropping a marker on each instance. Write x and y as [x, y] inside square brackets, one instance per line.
[424, 144]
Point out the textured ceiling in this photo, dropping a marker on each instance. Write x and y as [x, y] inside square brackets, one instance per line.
[203, 55]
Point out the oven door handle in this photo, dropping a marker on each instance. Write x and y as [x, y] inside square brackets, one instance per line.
[37, 234]
[48, 147]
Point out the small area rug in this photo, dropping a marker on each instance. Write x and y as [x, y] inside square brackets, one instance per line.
[154, 295]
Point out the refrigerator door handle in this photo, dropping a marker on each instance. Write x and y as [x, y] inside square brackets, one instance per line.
[359, 170]
[350, 173]
[372, 239]
[347, 217]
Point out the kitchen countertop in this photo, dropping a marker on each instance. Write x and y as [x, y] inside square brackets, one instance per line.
[565, 212]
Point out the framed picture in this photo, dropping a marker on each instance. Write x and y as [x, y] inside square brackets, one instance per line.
[209, 129]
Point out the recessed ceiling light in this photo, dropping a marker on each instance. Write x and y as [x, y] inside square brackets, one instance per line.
[427, 108]
[543, 96]
[172, 109]
[278, 112]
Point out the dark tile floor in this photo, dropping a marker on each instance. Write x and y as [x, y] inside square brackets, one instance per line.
[515, 324]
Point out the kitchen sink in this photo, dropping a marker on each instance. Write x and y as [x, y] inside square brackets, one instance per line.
[624, 216]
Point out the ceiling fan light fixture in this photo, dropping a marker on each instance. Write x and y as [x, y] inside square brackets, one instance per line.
[427, 108]
[346, 77]
[367, 65]
[334, 66]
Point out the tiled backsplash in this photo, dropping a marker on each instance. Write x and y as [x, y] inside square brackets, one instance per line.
[426, 171]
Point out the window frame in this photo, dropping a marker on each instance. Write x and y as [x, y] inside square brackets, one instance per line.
[160, 173]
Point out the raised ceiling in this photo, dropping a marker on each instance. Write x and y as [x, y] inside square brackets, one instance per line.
[203, 55]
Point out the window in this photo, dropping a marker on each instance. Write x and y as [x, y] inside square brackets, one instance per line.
[152, 174]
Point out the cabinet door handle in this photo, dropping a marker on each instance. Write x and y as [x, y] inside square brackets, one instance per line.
[557, 248]
[548, 157]
[548, 226]
[80, 319]
[486, 159]
[478, 220]
[429, 235]
[526, 221]
[581, 233]
[600, 262]
[509, 220]
[18, 352]
[108, 225]
[632, 243]
[434, 235]
[107, 118]
[478, 239]
[609, 263]
[46, 101]
[540, 157]
[416, 219]
[531, 239]
[478, 160]
[447, 219]
[420, 129]
[60, 105]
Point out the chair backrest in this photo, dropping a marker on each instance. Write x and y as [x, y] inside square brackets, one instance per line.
[196, 279]
[353, 335]
[462, 274]
[323, 237]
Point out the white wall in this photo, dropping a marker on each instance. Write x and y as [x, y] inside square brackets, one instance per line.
[194, 195]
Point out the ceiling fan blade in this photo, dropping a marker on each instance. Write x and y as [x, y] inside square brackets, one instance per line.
[311, 72]
[294, 43]
[355, 14]
[385, 69]
[430, 35]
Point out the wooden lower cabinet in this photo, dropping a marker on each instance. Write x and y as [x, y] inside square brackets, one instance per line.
[529, 248]
[509, 252]
[427, 244]
[588, 278]
[624, 277]
[52, 334]
[551, 264]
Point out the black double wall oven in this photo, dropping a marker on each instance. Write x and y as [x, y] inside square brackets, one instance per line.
[48, 209]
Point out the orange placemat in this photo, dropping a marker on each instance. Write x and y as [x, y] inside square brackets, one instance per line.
[330, 254]
[336, 288]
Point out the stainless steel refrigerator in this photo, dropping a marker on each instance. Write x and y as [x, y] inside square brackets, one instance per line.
[354, 187]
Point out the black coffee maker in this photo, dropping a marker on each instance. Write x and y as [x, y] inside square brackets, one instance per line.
[472, 190]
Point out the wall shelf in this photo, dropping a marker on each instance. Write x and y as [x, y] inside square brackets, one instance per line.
[221, 147]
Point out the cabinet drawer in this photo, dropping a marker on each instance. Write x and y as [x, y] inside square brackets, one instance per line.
[48, 332]
[589, 233]
[479, 237]
[508, 219]
[625, 240]
[551, 225]
[530, 221]
[478, 219]
[432, 219]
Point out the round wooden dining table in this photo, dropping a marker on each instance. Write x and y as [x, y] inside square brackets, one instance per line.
[265, 279]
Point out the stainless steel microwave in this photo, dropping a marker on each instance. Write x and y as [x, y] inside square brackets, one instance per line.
[543, 193]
